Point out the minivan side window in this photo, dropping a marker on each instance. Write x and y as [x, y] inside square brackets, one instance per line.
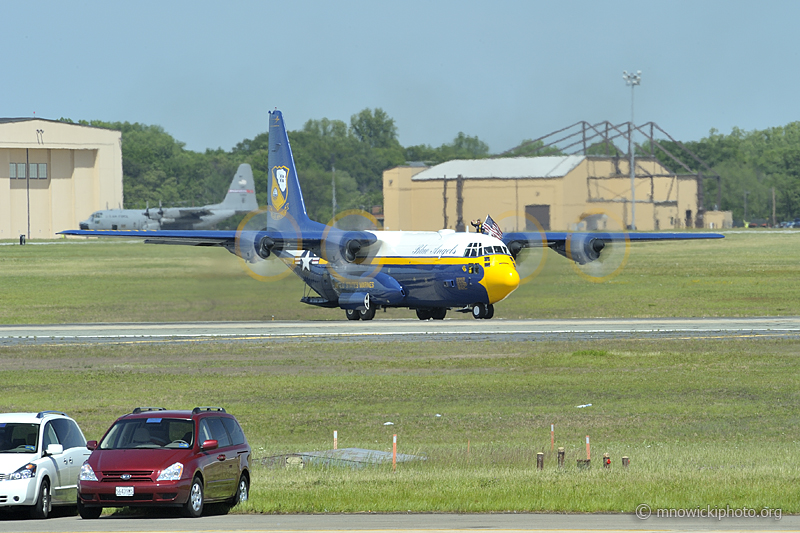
[237, 436]
[68, 433]
[212, 428]
[218, 432]
[49, 436]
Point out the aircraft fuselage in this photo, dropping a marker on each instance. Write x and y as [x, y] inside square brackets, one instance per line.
[420, 270]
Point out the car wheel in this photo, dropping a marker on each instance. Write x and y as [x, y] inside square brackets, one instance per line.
[242, 491]
[41, 509]
[89, 513]
[193, 507]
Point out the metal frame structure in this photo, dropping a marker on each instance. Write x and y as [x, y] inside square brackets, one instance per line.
[577, 138]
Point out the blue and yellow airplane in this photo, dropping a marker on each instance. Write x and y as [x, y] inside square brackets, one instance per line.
[362, 271]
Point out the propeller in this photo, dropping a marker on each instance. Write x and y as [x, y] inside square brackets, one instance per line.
[595, 258]
[348, 259]
[530, 259]
[259, 254]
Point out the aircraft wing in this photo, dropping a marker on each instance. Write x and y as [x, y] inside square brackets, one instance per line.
[331, 244]
[585, 247]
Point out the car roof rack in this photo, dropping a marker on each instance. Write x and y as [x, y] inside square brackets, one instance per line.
[143, 409]
[42, 414]
[197, 410]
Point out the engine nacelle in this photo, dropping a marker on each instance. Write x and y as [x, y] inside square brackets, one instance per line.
[264, 248]
[581, 248]
[349, 249]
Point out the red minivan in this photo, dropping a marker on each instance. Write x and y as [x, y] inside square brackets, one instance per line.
[155, 457]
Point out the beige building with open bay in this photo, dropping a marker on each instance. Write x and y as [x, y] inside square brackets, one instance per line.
[55, 174]
[558, 193]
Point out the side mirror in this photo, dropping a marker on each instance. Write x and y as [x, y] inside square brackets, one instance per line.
[91, 445]
[54, 449]
[209, 445]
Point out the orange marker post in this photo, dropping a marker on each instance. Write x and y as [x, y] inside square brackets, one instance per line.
[335, 439]
[552, 436]
[394, 453]
[588, 452]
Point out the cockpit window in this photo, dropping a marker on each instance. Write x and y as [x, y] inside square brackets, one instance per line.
[475, 250]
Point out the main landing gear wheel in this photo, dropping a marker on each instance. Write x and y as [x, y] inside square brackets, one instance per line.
[424, 314]
[352, 314]
[367, 314]
[439, 313]
[481, 310]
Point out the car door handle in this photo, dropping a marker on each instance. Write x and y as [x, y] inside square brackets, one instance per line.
[221, 457]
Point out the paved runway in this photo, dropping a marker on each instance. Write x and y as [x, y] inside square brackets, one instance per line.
[392, 330]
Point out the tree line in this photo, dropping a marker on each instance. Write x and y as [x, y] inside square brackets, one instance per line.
[158, 168]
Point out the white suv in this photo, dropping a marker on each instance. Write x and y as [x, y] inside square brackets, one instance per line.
[40, 458]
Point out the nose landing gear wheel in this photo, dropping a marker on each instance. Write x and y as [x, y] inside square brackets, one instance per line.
[481, 310]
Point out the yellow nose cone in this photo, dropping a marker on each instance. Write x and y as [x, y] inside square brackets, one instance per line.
[500, 279]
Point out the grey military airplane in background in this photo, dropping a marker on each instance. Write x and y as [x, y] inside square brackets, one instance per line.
[241, 198]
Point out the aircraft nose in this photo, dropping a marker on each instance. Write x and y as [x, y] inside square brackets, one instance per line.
[84, 225]
[500, 281]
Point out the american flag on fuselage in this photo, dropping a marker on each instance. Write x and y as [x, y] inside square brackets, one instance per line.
[490, 227]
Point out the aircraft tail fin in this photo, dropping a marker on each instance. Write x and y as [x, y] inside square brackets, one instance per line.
[288, 210]
[242, 192]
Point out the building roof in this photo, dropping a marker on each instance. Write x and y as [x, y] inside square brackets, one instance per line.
[503, 168]
[12, 120]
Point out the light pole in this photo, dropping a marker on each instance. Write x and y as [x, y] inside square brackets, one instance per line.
[633, 80]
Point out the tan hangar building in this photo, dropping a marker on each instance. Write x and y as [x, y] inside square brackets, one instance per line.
[559, 193]
[55, 174]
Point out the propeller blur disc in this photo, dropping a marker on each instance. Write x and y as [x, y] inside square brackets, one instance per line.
[278, 265]
[365, 265]
[614, 255]
[530, 260]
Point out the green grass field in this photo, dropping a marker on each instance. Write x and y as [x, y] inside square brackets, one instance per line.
[746, 274]
[704, 422]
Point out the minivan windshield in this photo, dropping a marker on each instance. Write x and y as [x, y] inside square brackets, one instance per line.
[18, 438]
[154, 432]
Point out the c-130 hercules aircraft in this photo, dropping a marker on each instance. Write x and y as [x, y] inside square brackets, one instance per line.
[362, 271]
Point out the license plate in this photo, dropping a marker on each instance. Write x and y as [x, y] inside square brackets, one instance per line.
[124, 491]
